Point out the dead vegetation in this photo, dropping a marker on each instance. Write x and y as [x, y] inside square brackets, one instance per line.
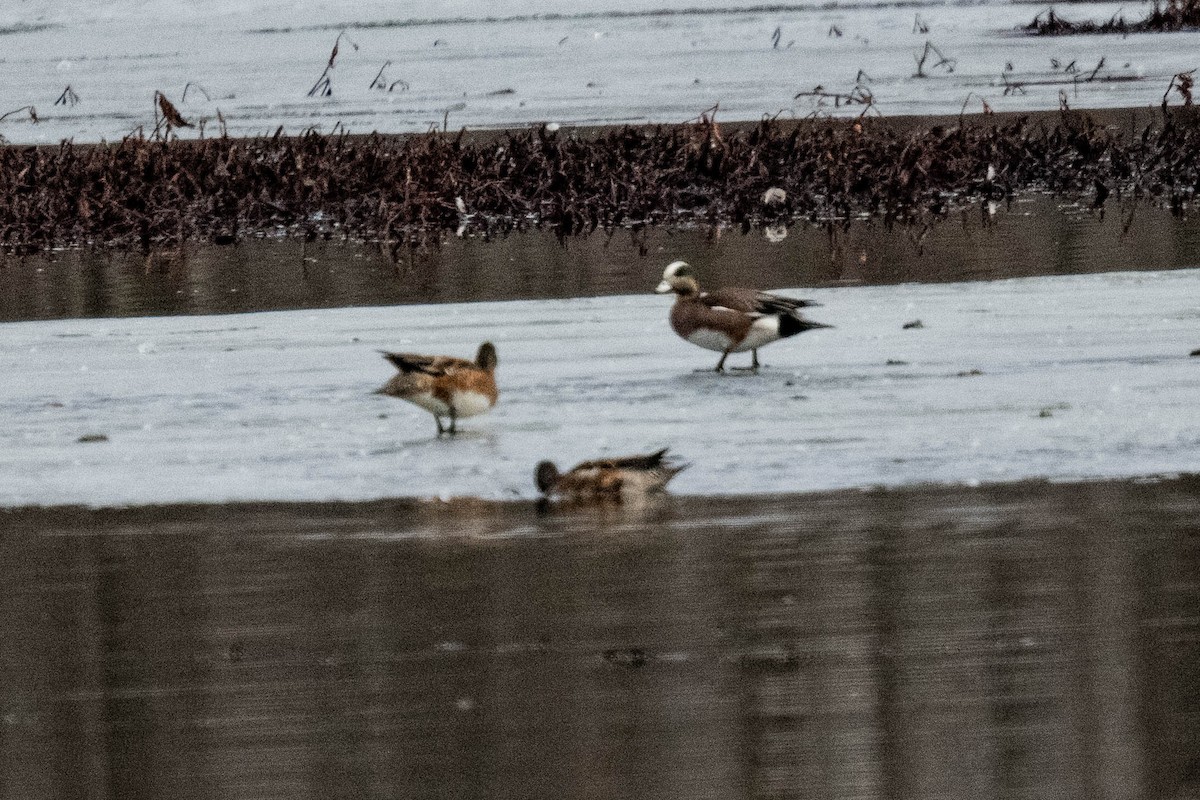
[1174, 15]
[404, 191]
[324, 85]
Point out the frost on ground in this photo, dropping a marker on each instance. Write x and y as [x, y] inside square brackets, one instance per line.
[1062, 377]
[404, 66]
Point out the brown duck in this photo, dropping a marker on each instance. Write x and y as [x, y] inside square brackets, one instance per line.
[614, 478]
[445, 386]
[731, 320]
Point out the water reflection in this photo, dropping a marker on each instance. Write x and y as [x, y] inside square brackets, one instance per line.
[1033, 237]
[1009, 642]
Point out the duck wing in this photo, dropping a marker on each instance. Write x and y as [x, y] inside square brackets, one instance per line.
[752, 301]
[428, 365]
[766, 303]
[647, 461]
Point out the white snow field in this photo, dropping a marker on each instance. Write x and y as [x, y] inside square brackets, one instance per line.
[497, 63]
[1080, 376]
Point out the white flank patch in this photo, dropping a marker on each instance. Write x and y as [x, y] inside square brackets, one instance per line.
[764, 331]
[710, 340]
[470, 404]
[430, 403]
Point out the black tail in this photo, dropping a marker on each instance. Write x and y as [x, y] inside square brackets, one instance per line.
[791, 325]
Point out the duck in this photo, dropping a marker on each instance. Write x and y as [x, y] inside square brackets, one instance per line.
[731, 320]
[445, 386]
[611, 478]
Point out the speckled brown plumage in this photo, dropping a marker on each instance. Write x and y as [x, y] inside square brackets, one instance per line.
[445, 386]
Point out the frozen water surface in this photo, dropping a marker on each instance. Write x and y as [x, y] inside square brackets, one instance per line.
[492, 64]
[1063, 377]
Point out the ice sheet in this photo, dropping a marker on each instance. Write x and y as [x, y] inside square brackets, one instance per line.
[494, 64]
[1079, 376]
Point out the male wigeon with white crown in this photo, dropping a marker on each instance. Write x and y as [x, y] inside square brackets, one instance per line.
[731, 320]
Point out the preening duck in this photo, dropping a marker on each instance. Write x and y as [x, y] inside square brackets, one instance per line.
[445, 386]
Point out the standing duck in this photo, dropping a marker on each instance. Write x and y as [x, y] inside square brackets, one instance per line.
[445, 386]
[731, 320]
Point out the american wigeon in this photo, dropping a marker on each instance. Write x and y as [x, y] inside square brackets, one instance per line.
[445, 386]
[613, 478]
[731, 320]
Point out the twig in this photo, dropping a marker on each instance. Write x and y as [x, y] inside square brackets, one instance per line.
[323, 86]
[199, 88]
[67, 98]
[859, 95]
[986, 108]
[377, 82]
[33, 117]
[943, 60]
[1181, 82]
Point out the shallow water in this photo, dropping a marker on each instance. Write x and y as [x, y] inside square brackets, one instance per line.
[1032, 236]
[1018, 641]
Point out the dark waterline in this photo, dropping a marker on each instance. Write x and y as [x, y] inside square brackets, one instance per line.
[1018, 641]
[1035, 236]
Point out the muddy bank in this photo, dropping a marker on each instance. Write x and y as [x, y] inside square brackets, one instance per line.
[1020, 640]
[409, 191]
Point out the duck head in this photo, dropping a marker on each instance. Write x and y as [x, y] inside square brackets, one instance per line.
[486, 357]
[546, 475]
[679, 278]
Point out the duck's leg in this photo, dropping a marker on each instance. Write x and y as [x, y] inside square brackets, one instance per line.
[453, 421]
[438, 420]
[753, 364]
[721, 363]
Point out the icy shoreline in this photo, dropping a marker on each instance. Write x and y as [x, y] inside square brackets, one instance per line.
[1058, 377]
[619, 62]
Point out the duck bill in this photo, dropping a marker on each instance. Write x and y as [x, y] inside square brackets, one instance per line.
[663, 288]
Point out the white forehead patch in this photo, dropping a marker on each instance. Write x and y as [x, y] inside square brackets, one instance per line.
[674, 268]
